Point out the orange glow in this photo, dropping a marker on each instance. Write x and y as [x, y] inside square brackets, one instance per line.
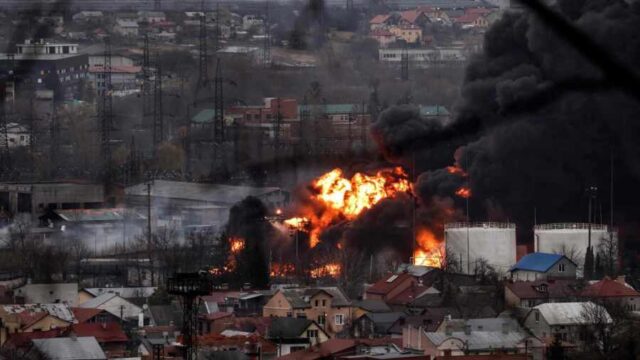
[331, 269]
[236, 245]
[464, 192]
[456, 170]
[343, 198]
[429, 251]
[297, 223]
[281, 270]
[278, 211]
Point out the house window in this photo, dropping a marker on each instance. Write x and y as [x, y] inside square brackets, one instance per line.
[322, 319]
[312, 334]
[317, 302]
[537, 316]
[531, 303]
[561, 267]
[339, 319]
[324, 302]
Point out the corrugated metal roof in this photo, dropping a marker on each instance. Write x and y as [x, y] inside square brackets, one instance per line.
[80, 348]
[479, 340]
[572, 313]
[539, 262]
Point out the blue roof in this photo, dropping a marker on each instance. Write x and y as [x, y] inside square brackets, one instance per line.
[540, 262]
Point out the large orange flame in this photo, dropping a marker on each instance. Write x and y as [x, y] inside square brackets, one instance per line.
[236, 245]
[344, 198]
[326, 270]
[282, 269]
[429, 251]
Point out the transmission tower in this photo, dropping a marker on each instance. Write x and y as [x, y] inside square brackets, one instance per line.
[203, 58]
[218, 120]
[266, 47]
[158, 115]
[106, 112]
[189, 287]
[404, 66]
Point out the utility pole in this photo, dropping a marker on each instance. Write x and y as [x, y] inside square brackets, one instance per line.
[266, 48]
[404, 66]
[158, 114]
[106, 116]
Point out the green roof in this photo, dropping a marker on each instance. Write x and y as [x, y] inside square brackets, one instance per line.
[204, 116]
[333, 109]
[433, 110]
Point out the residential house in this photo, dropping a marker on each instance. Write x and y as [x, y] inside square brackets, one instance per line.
[110, 336]
[18, 135]
[570, 321]
[430, 319]
[67, 348]
[151, 16]
[375, 324]
[379, 22]
[527, 294]
[86, 16]
[349, 348]
[389, 286]
[92, 316]
[135, 294]
[414, 17]
[384, 37]
[251, 21]
[249, 346]
[449, 324]
[611, 291]
[115, 305]
[47, 294]
[33, 317]
[328, 306]
[164, 337]
[167, 315]
[295, 334]
[470, 341]
[536, 266]
[124, 79]
[214, 323]
[125, 27]
[410, 34]
[368, 306]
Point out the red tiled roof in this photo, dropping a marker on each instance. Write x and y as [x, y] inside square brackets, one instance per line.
[411, 15]
[216, 315]
[468, 18]
[609, 288]
[108, 332]
[407, 296]
[217, 340]
[482, 11]
[379, 19]
[382, 286]
[28, 318]
[559, 288]
[84, 314]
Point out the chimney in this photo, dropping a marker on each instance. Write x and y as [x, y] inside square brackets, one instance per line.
[467, 329]
[622, 279]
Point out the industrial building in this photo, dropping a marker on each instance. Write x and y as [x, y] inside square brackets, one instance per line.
[191, 205]
[472, 245]
[36, 199]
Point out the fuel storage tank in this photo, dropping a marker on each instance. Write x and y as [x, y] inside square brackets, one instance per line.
[469, 245]
[571, 239]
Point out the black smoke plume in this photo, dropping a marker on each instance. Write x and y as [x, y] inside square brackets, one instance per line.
[537, 124]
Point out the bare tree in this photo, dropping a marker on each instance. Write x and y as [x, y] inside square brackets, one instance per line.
[607, 251]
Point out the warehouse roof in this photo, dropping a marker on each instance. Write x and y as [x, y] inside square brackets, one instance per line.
[213, 193]
[70, 348]
[538, 262]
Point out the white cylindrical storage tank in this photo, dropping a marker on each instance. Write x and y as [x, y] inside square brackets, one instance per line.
[469, 245]
[572, 239]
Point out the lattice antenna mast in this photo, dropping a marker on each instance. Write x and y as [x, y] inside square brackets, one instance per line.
[106, 116]
[218, 119]
[203, 58]
[266, 47]
[158, 113]
[147, 86]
